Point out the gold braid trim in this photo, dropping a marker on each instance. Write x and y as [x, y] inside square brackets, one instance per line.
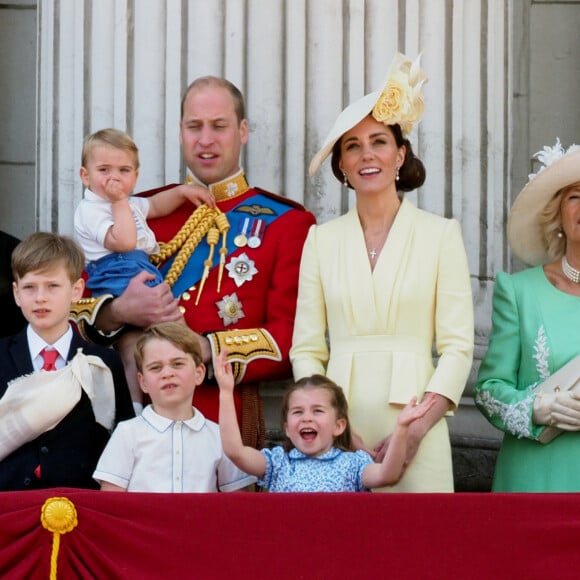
[199, 223]
[86, 309]
[223, 226]
[189, 245]
[213, 237]
[244, 346]
[84, 315]
[167, 249]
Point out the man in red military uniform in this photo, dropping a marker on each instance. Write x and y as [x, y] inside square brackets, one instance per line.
[245, 304]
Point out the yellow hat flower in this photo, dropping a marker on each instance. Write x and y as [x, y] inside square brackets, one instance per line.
[401, 100]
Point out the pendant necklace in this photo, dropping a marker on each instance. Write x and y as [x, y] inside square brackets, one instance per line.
[374, 251]
[571, 273]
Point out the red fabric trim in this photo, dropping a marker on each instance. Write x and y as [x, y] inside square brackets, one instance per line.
[281, 199]
[289, 536]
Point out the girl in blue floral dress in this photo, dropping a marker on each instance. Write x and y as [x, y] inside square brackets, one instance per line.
[318, 454]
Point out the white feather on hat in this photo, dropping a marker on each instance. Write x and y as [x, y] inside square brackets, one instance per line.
[560, 168]
[399, 101]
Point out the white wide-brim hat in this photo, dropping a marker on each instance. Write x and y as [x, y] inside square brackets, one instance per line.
[398, 101]
[350, 117]
[524, 230]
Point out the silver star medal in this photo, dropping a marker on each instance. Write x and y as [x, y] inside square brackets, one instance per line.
[241, 269]
[230, 309]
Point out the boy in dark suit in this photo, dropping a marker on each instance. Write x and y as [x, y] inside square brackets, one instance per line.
[54, 425]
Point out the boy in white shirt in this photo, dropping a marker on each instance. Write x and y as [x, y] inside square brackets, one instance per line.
[171, 447]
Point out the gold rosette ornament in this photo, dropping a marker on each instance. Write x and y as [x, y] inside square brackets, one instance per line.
[58, 516]
[401, 100]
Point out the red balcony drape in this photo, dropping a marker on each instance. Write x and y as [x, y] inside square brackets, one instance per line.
[294, 536]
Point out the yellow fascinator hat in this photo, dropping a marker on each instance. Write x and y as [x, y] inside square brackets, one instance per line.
[400, 101]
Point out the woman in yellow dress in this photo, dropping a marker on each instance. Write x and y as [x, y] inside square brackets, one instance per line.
[384, 284]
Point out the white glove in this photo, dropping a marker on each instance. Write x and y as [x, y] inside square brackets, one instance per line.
[559, 409]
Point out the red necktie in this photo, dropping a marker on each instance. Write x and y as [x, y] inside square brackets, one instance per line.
[49, 357]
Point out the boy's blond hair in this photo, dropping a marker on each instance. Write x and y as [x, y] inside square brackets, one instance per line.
[177, 333]
[112, 138]
[43, 250]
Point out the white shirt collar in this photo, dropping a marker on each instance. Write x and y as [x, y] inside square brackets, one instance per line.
[161, 423]
[36, 344]
[92, 196]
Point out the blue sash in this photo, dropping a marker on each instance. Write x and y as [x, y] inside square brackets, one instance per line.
[193, 270]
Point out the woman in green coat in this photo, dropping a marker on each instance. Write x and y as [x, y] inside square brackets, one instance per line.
[535, 331]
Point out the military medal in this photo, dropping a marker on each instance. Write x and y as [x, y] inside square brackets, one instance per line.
[241, 269]
[255, 239]
[242, 239]
[230, 309]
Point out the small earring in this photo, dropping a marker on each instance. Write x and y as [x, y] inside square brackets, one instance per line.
[397, 175]
[560, 233]
[345, 179]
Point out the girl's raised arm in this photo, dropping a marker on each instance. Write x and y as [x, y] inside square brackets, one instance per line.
[245, 458]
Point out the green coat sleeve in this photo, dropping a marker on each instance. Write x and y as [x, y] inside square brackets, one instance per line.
[504, 401]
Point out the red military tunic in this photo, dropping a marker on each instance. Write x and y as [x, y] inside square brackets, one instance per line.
[253, 313]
